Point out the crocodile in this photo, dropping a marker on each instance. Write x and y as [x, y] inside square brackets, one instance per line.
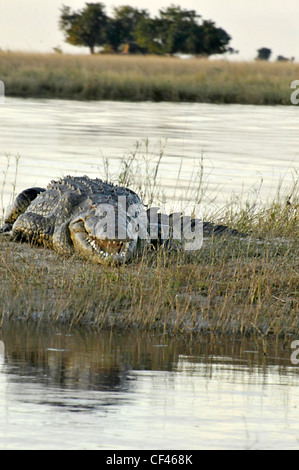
[97, 220]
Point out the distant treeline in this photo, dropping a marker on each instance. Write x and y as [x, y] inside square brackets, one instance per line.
[174, 30]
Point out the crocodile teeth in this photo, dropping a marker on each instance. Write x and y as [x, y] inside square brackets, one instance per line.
[107, 248]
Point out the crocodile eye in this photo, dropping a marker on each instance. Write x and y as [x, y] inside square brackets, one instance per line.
[78, 226]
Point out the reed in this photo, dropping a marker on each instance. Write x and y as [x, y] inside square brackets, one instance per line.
[232, 285]
[14, 163]
[139, 78]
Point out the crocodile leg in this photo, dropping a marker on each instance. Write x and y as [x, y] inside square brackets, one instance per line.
[33, 228]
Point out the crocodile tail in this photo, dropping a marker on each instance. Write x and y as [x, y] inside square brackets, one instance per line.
[166, 229]
[20, 205]
[210, 229]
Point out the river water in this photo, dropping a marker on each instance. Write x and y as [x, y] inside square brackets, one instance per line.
[130, 390]
[242, 146]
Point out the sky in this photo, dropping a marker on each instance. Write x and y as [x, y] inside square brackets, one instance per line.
[32, 25]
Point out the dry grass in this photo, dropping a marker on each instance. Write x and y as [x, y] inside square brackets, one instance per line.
[232, 285]
[142, 78]
[229, 287]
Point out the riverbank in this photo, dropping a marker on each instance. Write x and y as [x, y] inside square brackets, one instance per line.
[233, 285]
[146, 78]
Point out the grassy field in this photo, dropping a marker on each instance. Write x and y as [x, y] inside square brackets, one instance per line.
[142, 78]
[230, 286]
[233, 285]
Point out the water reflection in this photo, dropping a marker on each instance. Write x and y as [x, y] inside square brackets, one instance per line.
[103, 360]
[136, 390]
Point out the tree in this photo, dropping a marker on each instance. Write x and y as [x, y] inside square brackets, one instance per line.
[178, 30]
[174, 30]
[86, 27]
[281, 58]
[147, 36]
[263, 54]
[121, 29]
[177, 27]
[215, 40]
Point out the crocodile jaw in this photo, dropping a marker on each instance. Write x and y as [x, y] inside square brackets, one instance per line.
[108, 234]
[99, 248]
